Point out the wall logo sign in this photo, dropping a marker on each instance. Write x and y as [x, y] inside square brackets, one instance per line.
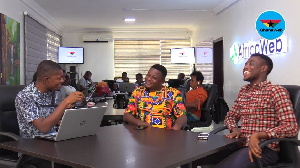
[270, 25]
[240, 52]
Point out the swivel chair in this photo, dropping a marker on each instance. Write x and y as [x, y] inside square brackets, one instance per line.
[289, 156]
[208, 107]
[9, 128]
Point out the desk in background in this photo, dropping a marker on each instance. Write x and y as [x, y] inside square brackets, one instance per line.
[111, 114]
[122, 146]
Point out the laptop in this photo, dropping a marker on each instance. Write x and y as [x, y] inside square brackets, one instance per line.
[126, 87]
[77, 123]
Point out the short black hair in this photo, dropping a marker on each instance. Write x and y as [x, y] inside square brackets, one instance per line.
[267, 59]
[47, 68]
[161, 68]
[87, 73]
[139, 74]
[124, 73]
[199, 76]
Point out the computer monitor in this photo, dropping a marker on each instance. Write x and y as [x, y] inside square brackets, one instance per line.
[175, 83]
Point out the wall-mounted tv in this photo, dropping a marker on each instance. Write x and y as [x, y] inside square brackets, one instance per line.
[70, 55]
[183, 55]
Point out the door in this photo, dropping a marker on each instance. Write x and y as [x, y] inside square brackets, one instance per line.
[218, 72]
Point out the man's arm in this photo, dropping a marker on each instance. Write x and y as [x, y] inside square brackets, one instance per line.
[45, 124]
[132, 120]
[180, 122]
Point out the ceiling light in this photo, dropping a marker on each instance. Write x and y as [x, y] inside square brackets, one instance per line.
[129, 19]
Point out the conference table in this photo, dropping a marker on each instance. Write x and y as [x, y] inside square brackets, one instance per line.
[123, 146]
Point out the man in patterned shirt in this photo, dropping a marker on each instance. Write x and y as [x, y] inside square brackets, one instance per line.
[35, 107]
[156, 105]
[265, 112]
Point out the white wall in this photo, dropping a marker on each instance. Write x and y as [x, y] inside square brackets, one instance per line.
[99, 57]
[15, 9]
[237, 24]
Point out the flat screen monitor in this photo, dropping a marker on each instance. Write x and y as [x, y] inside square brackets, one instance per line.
[70, 55]
[183, 55]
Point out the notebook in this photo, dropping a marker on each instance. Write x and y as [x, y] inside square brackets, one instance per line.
[77, 123]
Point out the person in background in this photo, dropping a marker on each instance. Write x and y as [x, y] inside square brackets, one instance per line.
[67, 86]
[195, 97]
[61, 93]
[86, 81]
[181, 76]
[124, 77]
[139, 80]
[154, 104]
[265, 111]
[35, 106]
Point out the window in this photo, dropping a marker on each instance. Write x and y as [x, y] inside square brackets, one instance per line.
[137, 56]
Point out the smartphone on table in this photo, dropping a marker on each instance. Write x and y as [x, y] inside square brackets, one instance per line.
[203, 136]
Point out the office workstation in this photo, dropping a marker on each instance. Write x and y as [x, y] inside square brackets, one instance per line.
[108, 46]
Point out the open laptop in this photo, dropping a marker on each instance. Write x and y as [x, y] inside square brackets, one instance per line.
[126, 87]
[77, 123]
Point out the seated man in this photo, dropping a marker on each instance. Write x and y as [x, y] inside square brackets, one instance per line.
[265, 111]
[156, 105]
[195, 97]
[35, 107]
[35, 104]
[85, 82]
[139, 80]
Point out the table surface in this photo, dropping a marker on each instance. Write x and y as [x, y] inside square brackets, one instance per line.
[123, 146]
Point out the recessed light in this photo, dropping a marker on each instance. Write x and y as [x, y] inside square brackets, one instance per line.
[129, 19]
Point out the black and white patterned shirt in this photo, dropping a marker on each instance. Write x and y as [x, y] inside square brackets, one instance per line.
[32, 104]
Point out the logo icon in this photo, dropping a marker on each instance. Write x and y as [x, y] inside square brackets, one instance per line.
[270, 25]
[72, 53]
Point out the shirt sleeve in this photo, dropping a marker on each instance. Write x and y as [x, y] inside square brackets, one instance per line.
[287, 123]
[27, 108]
[233, 116]
[132, 104]
[179, 108]
[201, 97]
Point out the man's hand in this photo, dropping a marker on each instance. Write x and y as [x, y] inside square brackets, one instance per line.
[234, 134]
[254, 147]
[74, 97]
[142, 123]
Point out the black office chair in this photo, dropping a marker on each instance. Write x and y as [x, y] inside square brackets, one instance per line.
[289, 156]
[208, 107]
[9, 128]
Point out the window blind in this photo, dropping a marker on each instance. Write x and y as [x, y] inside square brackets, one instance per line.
[40, 44]
[137, 56]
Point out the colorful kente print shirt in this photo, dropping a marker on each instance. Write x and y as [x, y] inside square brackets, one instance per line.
[158, 108]
[32, 104]
[263, 108]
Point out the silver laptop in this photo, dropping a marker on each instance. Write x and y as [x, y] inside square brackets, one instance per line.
[77, 123]
[126, 87]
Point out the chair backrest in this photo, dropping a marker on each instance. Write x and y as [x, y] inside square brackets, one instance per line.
[8, 115]
[289, 152]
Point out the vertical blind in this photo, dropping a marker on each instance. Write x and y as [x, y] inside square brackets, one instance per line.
[40, 44]
[137, 56]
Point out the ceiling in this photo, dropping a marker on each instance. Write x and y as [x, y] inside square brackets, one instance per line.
[149, 14]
